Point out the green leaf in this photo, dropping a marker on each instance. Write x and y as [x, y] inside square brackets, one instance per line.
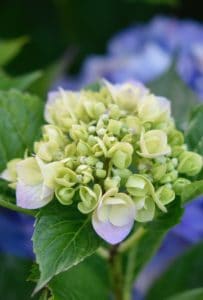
[63, 237]
[182, 98]
[21, 117]
[196, 294]
[10, 48]
[20, 83]
[151, 240]
[194, 132]
[192, 191]
[186, 272]
[13, 274]
[86, 281]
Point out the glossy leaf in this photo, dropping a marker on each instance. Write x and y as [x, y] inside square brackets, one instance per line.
[88, 280]
[21, 116]
[63, 238]
[182, 98]
[196, 294]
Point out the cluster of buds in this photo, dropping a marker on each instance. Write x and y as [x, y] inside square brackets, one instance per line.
[114, 153]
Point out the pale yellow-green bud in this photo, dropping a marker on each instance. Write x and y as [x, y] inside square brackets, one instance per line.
[78, 132]
[89, 198]
[66, 177]
[65, 195]
[70, 150]
[176, 138]
[190, 163]
[180, 184]
[100, 173]
[83, 149]
[158, 171]
[145, 209]
[121, 154]
[165, 194]
[123, 174]
[139, 186]
[112, 182]
[153, 143]
[94, 109]
[10, 173]
[84, 174]
[114, 127]
[169, 177]
[152, 109]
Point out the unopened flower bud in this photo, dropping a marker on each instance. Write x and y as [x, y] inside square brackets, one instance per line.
[180, 184]
[165, 194]
[65, 195]
[121, 154]
[190, 163]
[89, 198]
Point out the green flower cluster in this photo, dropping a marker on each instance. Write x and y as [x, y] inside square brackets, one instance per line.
[116, 153]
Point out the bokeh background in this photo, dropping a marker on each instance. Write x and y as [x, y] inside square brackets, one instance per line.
[75, 42]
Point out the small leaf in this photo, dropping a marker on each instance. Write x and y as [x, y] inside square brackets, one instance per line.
[21, 117]
[62, 239]
[10, 48]
[184, 273]
[21, 82]
[182, 98]
[88, 280]
[194, 132]
[196, 294]
[192, 190]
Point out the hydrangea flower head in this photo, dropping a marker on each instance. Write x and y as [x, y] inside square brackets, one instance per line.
[111, 153]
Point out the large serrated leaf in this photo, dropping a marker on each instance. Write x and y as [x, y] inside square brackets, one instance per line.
[94, 283]
[185, 273]
[21, 116]
[63, 238]
[182, 97]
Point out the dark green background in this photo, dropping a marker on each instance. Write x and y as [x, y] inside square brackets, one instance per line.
[86, 25]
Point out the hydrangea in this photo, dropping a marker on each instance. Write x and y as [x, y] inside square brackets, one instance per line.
[114, 153]
[143, 52]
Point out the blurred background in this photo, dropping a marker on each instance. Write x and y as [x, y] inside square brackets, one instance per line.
[71, 43]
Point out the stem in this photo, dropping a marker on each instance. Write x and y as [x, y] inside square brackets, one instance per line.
[127, 289]
[14, 207]
[133, 239]
[116, 273]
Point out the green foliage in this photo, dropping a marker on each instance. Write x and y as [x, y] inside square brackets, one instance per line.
[21, 119]
[191, 191]
[20, 83]
[13, 274]
[194, 132]
[151, 240]
[88, 280]
[10, 48]
[196, 294]
[182, 98]
[185, 273]
[63, 238]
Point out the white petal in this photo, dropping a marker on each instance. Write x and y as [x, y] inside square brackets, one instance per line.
[32, 197]
[110, 233]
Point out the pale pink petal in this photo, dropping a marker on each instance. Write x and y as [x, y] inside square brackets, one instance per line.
[32, 197]
[110, 233]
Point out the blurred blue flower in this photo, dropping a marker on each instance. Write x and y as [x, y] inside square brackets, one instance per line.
[144, 52]
[15, 233]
